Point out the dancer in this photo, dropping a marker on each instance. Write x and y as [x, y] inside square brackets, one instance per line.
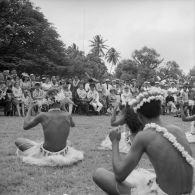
[164, 144]
[190, 135]
[128, 126]
[56, 127]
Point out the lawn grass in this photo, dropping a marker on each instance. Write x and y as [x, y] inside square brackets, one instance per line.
[17, 178]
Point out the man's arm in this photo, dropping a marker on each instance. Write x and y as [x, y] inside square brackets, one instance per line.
[118, 122]
[122, 168]
[30, 123]
[72, 123]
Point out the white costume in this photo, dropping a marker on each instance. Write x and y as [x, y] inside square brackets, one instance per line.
[37, 155]
[124, 144]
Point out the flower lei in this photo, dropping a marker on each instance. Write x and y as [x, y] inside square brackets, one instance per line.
[171, 138]
[153, 94]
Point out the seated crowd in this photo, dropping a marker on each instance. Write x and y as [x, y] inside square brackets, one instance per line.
[83, 96]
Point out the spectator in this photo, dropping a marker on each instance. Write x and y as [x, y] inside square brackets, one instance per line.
[93, 96]
[46, 84]
[18, 95]
[126, 95]
[81, 98]
[112, 100]
[68, 98]
[38, 95]
[170, 102]
[8, 110]
[25, 83]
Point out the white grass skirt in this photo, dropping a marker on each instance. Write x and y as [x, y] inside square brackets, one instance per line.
[143, 182]
[38, 156]
[124, 147]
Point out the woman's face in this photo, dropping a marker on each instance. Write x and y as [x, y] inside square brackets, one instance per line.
[81, 87]
[17, 85]
[25, 79]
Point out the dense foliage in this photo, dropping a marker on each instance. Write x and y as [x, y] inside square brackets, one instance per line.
[30, 43]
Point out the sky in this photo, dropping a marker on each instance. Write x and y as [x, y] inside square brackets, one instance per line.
[168, 26]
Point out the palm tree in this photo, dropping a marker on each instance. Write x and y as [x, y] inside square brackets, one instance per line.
[98, 46]
[112, 56]
[73, 51]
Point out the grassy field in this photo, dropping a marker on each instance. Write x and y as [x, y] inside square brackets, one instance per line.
[17, 178]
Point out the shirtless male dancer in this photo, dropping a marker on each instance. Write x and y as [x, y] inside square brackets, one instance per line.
[56, 127]
[174, 173]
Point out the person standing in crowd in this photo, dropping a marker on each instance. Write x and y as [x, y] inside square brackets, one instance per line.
[18, 97]
[170, 102]
[32, 80]
[46, 83]
[54, 82]
[68, 96]
[81, 99]
[38, 95]
[107, 86]
[25, 83]
[126, 96]
[93, 97]
[113, 101]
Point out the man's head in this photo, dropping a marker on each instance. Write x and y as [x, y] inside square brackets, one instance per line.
[132, 120]
[107, 81]
[92, 86]
[37, 86]
[149, 110]
[148, 105]
[81, 86]
[65, 87]
[126, 88]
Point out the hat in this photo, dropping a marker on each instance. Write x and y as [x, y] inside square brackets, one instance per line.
[52, 91]
[107, 80]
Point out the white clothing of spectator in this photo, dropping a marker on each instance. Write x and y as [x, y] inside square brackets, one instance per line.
[82, 93]
[107, 87]
[94, 97]
[126, 96]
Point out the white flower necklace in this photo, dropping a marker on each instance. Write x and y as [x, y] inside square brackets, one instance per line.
[54, 109]
[171, 138]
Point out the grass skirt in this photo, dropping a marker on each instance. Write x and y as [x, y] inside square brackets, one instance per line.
[144, 183]
[37, 155]
[124, 147]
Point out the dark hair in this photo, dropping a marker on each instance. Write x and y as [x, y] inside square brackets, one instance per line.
[151, 109]
[132, 120]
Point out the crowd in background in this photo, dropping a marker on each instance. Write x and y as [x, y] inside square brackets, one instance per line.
[84, 95]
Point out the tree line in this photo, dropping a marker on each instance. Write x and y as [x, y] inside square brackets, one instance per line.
[30, 43]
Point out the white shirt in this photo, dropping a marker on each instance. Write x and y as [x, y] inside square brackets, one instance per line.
[93, 95]
[81, 93]
[107, 88]
[125, 97]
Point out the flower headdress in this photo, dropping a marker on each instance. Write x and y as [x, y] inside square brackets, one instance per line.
[153, 94]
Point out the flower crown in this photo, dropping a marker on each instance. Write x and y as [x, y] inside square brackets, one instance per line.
[153, 94]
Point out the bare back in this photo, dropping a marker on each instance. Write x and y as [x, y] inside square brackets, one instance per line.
[171, 168]
[56, 127]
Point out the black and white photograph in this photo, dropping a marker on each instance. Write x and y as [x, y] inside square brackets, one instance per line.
[97, 97]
